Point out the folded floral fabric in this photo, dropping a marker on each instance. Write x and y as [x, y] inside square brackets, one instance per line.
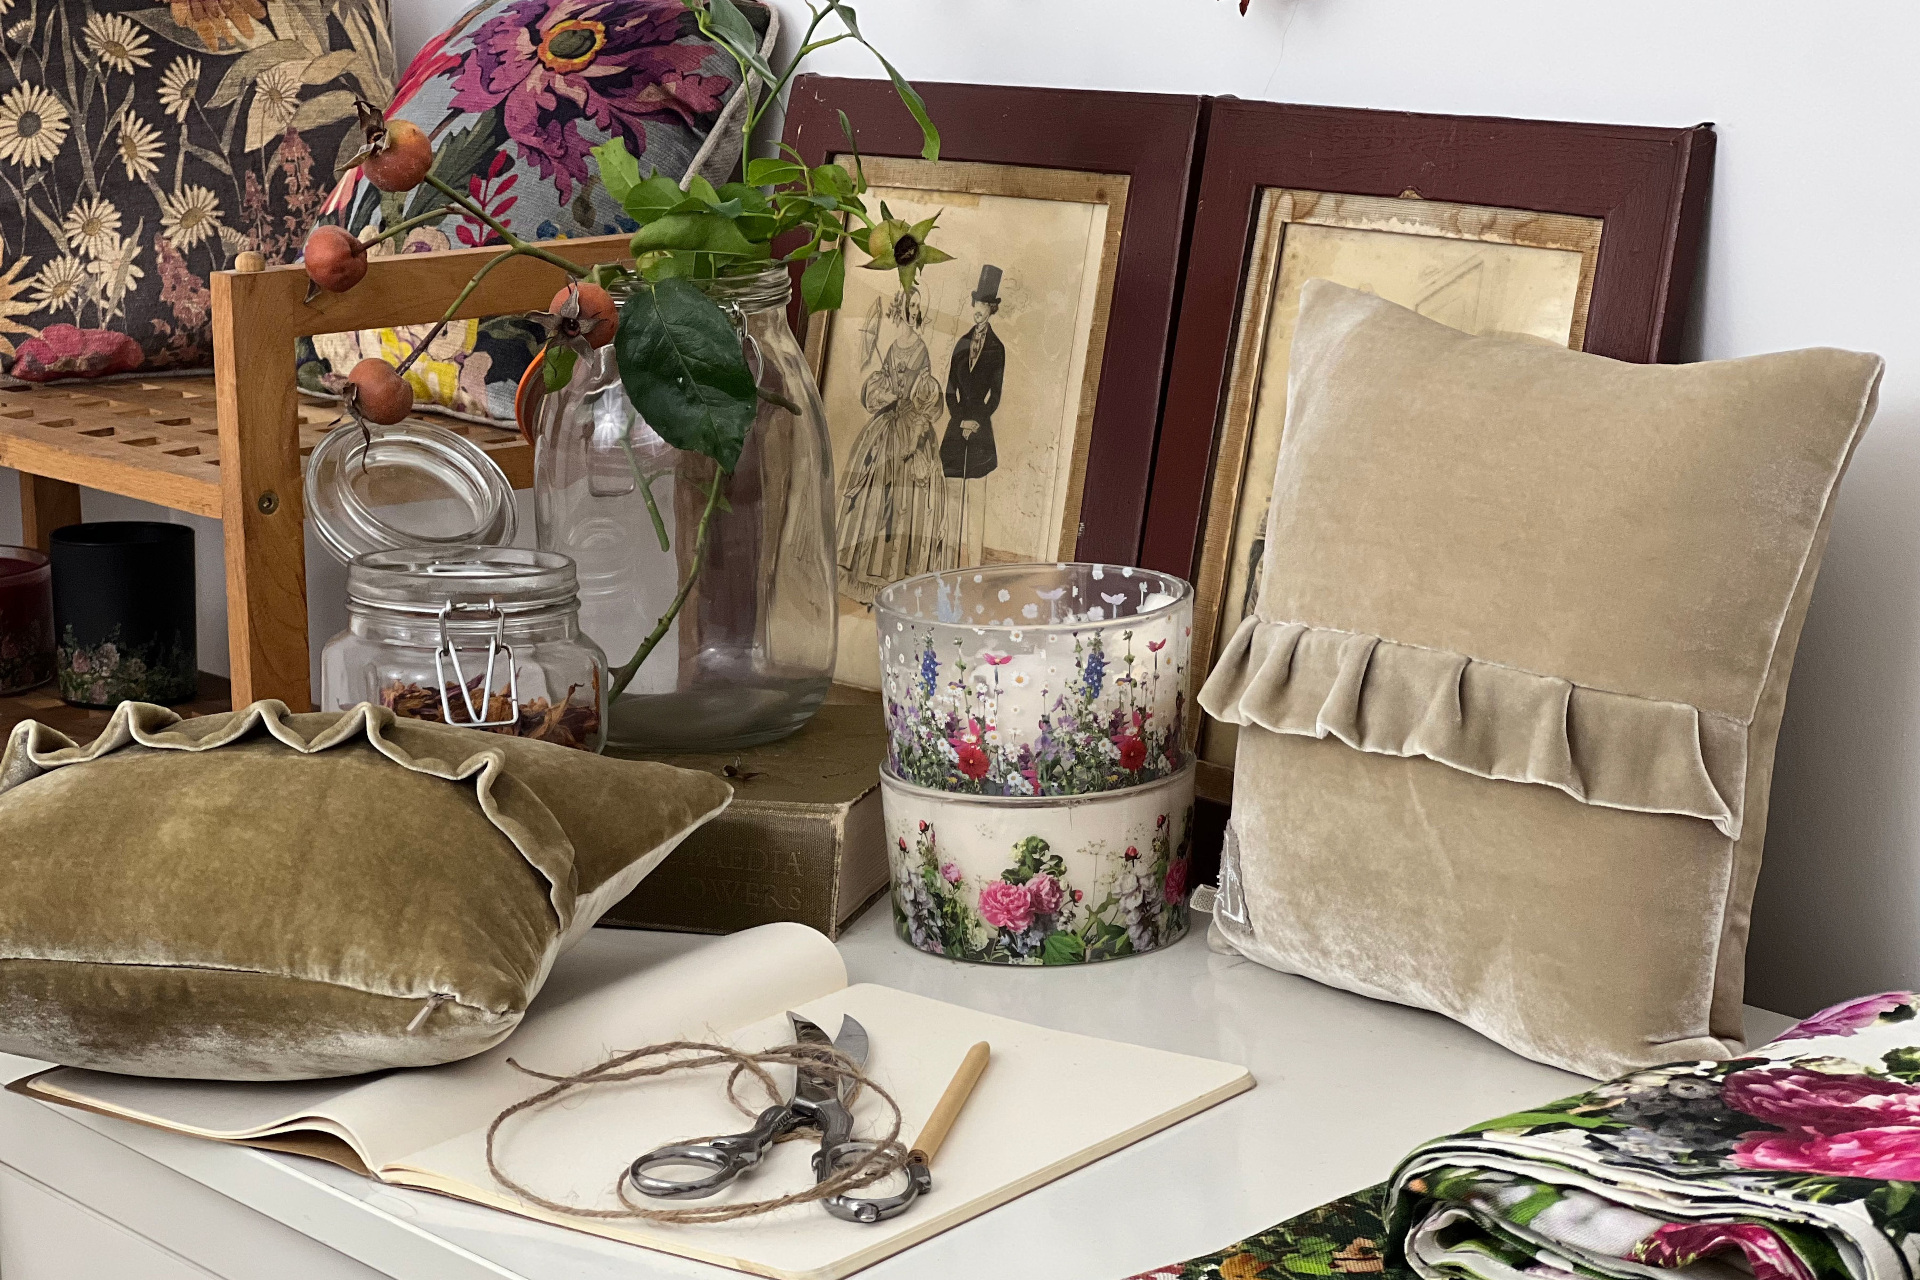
[1799, 1160]
[1796, 1161]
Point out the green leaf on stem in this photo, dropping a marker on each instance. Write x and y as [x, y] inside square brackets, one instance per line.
[755, 217]
[619, 169]
[704, 232]
[683, 366]
[557, 368]
[823, 285]
[654, 197]
[774, 173]
[729, 28]
[915, 104]
[833, 180]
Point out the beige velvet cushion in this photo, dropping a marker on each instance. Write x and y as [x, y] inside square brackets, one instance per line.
[260, 895]
[1510, 693]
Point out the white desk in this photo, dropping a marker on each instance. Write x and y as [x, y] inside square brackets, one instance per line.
[1346, 1086]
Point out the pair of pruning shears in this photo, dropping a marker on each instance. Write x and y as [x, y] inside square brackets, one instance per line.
[817, 1103]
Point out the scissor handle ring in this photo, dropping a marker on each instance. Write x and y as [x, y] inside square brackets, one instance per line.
[726, 1166]
[871, 1209]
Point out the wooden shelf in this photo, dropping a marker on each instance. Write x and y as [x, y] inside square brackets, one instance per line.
[158, 440]
[84, 725]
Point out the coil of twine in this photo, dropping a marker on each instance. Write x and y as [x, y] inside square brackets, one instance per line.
[881, 1160]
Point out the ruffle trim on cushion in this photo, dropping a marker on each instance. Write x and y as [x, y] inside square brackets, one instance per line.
[1613, 750]
[510, 805]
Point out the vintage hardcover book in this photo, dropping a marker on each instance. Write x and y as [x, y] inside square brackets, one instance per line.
[1050, 1101]
[802, 841]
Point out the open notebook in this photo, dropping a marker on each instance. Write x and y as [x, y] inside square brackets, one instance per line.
[1049, 1103]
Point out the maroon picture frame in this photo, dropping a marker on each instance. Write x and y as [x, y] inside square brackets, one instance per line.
[1648, 186]
[1152, 138]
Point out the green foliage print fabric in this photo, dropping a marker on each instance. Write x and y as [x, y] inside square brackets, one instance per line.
[1340, 1238]
[143, 146]
[1799, 1160]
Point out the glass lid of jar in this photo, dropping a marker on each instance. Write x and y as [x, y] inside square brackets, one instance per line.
[409, 485]
[428, 580]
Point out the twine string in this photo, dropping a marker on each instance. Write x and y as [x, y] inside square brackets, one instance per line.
[874, 1162]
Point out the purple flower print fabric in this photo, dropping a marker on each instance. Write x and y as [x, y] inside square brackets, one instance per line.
[514, 96]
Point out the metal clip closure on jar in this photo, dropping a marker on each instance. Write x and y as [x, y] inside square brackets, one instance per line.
[447, 652]
[483, 637]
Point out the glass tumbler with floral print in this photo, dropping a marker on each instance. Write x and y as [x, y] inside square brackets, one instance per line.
[1036, 679]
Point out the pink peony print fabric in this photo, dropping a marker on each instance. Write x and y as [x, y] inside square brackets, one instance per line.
[1798, 1161]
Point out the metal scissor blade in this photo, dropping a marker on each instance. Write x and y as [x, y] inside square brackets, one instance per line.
[852, 1040]
[811, 1087]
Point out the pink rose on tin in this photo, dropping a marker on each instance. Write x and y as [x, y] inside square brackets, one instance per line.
[1176, 882]
[1854, 1015]
[1044, 892]
[950, 873]
[1006, 906]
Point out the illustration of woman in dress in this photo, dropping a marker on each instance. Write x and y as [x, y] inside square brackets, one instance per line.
[892, 514]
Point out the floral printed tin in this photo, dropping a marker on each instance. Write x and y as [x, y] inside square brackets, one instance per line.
[1040, 880]
[1035, 679]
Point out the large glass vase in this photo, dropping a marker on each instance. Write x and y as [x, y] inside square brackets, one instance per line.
[749, 656]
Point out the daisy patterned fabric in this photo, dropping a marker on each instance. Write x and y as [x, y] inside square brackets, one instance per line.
[143, 146]
[514, 95]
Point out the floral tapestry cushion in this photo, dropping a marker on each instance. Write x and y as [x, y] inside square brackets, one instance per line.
[143, 146]
[514, 95]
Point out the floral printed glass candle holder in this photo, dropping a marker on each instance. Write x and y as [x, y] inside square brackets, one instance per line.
[1040, 880]
[1035, 679]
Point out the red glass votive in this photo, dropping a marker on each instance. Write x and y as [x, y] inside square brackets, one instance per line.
[26, 619]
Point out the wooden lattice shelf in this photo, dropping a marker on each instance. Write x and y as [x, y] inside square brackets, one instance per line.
[159, 440]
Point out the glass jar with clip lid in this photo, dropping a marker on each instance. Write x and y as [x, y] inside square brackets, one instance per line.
[446, 621]
[487, 637]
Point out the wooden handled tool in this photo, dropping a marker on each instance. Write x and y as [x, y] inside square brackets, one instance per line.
[947, 1110]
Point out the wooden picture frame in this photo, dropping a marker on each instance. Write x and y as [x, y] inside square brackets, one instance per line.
[1602, 222]
[1076, 203]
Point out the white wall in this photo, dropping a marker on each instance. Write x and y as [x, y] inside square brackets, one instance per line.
[1810, 243]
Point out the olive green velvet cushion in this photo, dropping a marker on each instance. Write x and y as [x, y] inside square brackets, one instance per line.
[261, 895]
[1509, 696]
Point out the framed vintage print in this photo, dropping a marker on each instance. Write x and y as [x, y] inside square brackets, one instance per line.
[973, 417]
[1582, 235]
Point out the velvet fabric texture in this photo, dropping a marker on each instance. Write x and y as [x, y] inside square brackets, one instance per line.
[1509, 697]
[261, 895]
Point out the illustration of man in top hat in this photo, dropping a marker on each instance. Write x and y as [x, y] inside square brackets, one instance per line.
[973, 388]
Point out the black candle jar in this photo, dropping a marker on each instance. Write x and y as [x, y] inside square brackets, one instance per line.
[123, 613]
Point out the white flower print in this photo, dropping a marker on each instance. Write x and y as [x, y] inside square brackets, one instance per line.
[139, 147]
[33, 125]
[179, 85]
[116, 41]
[91, 226]
[61, 283]
[113, 271]
[189, 216]
[276, 96]
[1021, 679]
